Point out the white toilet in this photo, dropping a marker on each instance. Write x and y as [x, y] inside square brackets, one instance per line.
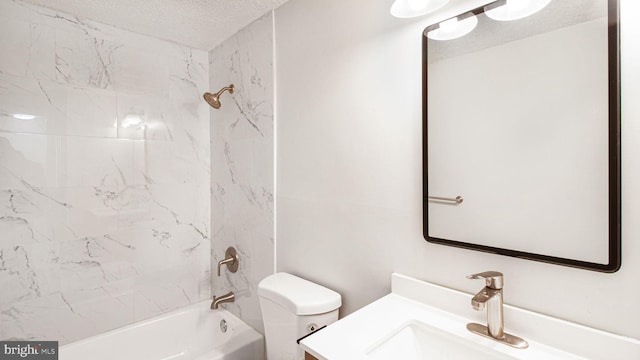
[291, 308]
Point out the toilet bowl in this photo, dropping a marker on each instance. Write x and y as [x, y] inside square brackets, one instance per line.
[293, 307]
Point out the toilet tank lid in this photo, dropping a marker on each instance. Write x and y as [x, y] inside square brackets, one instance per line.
[298, 295]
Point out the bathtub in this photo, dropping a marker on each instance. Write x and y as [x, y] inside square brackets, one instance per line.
[190, 333]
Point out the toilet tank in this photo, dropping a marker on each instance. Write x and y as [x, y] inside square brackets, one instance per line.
[291, 308]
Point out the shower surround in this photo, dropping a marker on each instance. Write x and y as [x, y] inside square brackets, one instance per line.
[242, 152]
[104, 193]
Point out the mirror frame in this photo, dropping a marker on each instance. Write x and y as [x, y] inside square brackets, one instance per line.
[614, 256]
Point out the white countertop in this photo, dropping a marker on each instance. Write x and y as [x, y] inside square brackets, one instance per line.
[413, 300]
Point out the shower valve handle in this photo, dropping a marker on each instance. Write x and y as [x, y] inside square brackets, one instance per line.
[231, 260]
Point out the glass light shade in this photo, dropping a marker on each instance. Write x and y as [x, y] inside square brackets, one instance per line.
[453, 28]
[413, 8]
[516, 9]
[417, 5]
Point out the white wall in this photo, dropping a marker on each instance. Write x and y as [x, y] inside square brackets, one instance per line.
[349, 170]
[242, 165]
[101, 225]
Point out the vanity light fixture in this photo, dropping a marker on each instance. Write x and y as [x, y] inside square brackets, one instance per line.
[453, 28]
[413, 8]
[509, 10]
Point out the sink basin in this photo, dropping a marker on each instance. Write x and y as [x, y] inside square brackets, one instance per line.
[417, 340]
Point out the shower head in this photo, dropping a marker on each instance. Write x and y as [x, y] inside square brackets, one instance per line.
[214, 99]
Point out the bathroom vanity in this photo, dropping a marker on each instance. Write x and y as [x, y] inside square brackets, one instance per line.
[420, 320]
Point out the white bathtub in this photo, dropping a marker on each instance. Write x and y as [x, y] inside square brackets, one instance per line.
[190, 333]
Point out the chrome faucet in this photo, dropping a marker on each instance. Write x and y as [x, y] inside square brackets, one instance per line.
[228, 297]
[490, 297]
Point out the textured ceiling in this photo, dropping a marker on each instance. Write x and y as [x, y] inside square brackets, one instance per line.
[201, 24]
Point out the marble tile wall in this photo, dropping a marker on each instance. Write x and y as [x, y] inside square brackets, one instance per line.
[242, 148]
[104, 193]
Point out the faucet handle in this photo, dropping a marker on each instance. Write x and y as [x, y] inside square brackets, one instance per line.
[231, 260]
[494, 279]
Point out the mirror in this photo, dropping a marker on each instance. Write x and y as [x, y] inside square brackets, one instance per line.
[521, 133]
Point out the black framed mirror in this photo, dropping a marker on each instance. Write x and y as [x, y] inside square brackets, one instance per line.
[521, 132]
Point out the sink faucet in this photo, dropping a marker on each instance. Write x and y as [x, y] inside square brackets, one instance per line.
[228, 297]
[490, 297]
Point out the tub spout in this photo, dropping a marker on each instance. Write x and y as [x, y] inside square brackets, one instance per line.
[228, 297]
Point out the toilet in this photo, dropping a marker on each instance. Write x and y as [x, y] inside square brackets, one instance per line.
[292, 308]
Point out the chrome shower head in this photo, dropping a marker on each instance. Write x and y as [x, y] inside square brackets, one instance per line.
[214, 99]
